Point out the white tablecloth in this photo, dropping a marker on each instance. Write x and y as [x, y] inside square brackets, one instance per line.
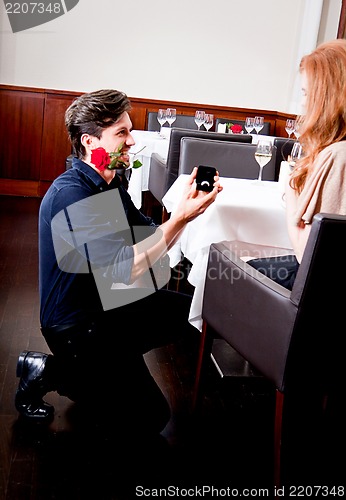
[245, 210]
[152, 143]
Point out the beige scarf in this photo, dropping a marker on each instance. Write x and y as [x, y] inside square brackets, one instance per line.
[325, 187]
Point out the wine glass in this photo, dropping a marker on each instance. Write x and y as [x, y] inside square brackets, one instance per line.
[258, 124]
[171, 115]
[161, 117]
[296, 153]
[199, 118]
[296, 130]
[263, 154]
[249, 124]
[290, 126]
[208, 121]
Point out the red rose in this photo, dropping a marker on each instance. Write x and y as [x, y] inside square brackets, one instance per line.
[236, 129]
[100, 158]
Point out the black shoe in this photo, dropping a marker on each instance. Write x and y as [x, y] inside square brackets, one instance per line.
[31, 388]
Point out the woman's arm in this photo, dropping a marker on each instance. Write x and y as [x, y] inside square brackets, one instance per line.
[298, 233]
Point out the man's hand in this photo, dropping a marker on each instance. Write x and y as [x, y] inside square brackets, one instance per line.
[193, 202]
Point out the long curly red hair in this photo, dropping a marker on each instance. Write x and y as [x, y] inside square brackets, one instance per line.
[324, 121]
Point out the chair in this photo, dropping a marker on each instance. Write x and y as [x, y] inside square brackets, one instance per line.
[265, 130]
[284, 148]
[68, 161]
[182, 121]
[231, 159]
[69, 158]
[163, 173]
[290, 337]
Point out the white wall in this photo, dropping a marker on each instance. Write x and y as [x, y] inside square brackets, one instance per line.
[223, 52]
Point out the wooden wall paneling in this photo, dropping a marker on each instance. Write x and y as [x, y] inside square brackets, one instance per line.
[34, 142]
[42, 188]
[56, 145]
[21, 119]
[138, 115]
[14, 187]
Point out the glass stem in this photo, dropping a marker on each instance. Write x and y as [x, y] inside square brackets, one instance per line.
[260, 174]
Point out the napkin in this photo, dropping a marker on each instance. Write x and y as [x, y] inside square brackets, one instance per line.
[285, 170]
[165, 132]
[221, 127]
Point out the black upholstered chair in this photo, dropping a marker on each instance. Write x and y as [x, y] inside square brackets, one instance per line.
[69, 158]
[265, 130]
[68, 161]
[231, 159]
[283, 150]
[293, 338]
[163, 173]
[182, 121]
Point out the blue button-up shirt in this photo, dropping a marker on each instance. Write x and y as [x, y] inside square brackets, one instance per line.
[85, 230]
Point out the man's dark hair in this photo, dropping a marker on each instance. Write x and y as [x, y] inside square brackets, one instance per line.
[91, 113]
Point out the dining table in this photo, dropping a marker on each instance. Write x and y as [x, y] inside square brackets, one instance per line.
[247, 211]
[146, 143]
[149, 142]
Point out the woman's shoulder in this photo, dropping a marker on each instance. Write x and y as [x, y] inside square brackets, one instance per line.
[335, 149]
[333, 154]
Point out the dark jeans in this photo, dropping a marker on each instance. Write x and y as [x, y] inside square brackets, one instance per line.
[100, 363]
[282, 269]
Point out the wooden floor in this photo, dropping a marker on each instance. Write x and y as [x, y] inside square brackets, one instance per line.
[228, 444]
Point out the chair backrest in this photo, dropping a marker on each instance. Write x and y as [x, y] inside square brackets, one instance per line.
[173, 154]
[182, 121]
[265, 130]
[68, 161]
[283, 149]
[231, 159]
[316, 342]
[290, 337]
